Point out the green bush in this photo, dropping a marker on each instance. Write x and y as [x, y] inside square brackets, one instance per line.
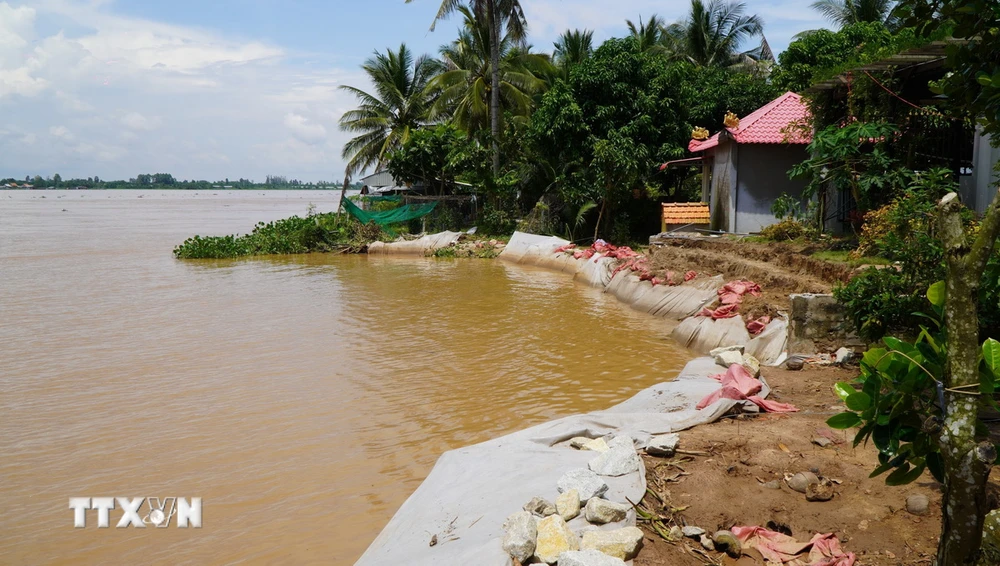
[293, 235]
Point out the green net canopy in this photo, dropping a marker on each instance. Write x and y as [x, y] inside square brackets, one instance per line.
[401, 214]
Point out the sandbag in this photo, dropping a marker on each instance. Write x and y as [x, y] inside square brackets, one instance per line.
[703, 334]
[663, 300]
[771, 343]
[421, 246]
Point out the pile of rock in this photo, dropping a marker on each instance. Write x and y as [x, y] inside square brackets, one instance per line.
[729, 355]
[540, 533]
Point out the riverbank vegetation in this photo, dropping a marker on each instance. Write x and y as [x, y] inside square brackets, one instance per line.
[166, 181]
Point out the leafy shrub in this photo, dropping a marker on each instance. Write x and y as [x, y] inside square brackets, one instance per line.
[884, 301]
[786, 207]
[497, 220]
[788, 229]
[293, 235]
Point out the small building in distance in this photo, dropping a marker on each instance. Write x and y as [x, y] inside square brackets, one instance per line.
[745, 168]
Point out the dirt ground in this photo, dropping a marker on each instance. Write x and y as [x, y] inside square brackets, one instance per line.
[779, 268]
[723, 486]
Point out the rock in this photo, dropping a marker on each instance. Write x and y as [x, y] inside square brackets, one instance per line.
[554, 538]
[586, 483]
[663, 444]
[991, 538]
[773, 484]
[692, 532]
[728, 358]
[578, 441]
[621, 543]
[519, 536]
[675, 533]
[819, 492]
[706, 542]
[738, 348]
[822, 441]
[540, 507]
[588, 558]
[568, 504]
[601, 511]
[620, 459]
[726, 541]
[842, 356]
[597, 445]
[751, 364]
[800, 481]
[917, 504]
[794, 364]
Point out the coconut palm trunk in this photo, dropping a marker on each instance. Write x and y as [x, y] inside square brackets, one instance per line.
[495, 23]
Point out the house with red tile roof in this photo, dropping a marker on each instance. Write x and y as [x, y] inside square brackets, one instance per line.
[745, 166]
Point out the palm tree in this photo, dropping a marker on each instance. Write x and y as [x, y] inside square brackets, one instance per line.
[648, 35]
[847, 12]
[464, 90]
[497, 14]
[713, 34]
[573, 47]
[399, 105]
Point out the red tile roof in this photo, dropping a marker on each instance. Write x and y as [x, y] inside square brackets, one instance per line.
[768, 124]
[686, 213]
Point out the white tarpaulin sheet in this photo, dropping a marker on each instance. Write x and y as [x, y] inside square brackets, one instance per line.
[471, 491]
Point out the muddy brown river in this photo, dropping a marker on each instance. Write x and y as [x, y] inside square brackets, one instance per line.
[301, 397]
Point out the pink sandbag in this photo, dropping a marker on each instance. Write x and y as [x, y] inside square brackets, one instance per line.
[823, 549]
[755, 327]
[738, 384]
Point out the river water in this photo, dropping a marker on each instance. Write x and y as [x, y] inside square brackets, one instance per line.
[301, 397]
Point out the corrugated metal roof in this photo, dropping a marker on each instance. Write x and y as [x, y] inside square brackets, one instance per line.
[686, 213]
[772, 123]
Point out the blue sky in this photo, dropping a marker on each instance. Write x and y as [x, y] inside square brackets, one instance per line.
[234, 88]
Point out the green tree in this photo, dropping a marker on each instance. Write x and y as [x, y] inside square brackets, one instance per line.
[385, 119]
[648, 35]
[965, 387]
[714, 33]
[433, 156]
[56, 180]
[572, 48]
[463, 91]
[813, 53]
[846, 12]
[497, 14]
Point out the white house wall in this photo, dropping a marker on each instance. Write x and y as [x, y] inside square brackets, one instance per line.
[984, 161]
[763, 177]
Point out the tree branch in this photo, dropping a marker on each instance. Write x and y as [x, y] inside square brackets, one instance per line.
[989, 231]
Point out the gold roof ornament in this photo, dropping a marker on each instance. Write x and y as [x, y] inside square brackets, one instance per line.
[699, 133]
[732, 121]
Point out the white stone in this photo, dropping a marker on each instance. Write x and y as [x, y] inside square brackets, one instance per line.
[539, 506]
[620, 459]
[519, 536]
[738, 348]
[663, 444]
[692, 532]
[554, 538]
[568, 504]
[917, 504]
[579, 441]
[751, 364]
[621, 543]
[601, 511]
[728, 358]
[597, 445]
[801, 481]
[842, 356]
[588, 558]
[585, 482]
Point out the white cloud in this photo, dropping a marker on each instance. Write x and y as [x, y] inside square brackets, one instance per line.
[304, 130]
[61, 132]
[136, 121]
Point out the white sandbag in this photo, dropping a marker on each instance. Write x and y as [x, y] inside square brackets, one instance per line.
[703, 334]
[596, 271]
[769, 345]
[663, 300]
[421, 246]
[521, 242]
[471, 491]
